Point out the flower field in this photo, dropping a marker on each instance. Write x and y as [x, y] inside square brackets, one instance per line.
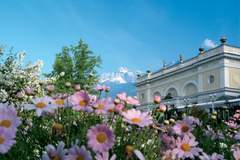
[44, 119]
[83, 126]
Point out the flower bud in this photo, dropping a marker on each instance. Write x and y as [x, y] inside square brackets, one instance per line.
[129, 150]
[50, 88]
[68, 84]
[157, 99]
[166, 122]
[162, 108]
[57, 128]
[77, 87]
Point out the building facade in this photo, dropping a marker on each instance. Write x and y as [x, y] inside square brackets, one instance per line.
[210, 75]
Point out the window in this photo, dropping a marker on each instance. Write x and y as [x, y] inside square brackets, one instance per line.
[211, 79]
[142, 96]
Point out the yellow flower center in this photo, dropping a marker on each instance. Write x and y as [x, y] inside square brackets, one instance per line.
[83, 103]
[184, 128]
[2, 140]
[185, 147]
[100, 106]
[41, 105]
[101, 137]
[136, 120]
[59, 102]
[56, 158]
[58, 126]
[80, 157]
[5, 123]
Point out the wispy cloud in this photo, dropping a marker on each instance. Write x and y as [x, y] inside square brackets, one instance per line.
[208, 43]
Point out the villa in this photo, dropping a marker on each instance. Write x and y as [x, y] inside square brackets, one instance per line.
[211, 78]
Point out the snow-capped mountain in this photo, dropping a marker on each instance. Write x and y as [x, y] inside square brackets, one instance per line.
[121, 81]
[123, 75]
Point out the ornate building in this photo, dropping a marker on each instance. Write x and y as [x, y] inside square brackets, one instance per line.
[209, 76]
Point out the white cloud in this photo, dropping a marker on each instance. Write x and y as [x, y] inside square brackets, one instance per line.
[208, 43]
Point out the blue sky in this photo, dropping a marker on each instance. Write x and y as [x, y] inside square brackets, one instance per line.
[138, 34]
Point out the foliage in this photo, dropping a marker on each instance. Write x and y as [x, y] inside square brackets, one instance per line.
[76, 64]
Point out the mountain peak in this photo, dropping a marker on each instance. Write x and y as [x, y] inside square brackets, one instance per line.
[122, 76]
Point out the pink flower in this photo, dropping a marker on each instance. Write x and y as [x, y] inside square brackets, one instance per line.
[76, 153]
[132, 101]
[122, 96]
[105, 156]
[41, 105]
[8, 118]
[104, 106]
[119, 107]
[182, 127]
[58, 153]
[99, 88]
[168, 141]
[29, 90]
[6, 140]
[77, 87]
[106, 88]
[236, 154]
[100, 138]
[186, 148]
[168, 155]
[191, 120]
[81, 101]
[216, 156]
[102, 88]
[231, 124]
[157, 99]
[137, 117]
[50, 87]
[20, 94]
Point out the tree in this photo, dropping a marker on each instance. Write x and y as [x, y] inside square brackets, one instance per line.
[79, 64]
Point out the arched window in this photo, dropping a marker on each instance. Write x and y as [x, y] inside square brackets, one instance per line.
[156, 94]
[211, 79]
[172, 92]
[190, 89]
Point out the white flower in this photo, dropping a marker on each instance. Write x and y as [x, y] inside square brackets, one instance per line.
[41, 105]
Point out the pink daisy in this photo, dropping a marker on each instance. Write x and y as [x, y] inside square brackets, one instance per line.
[236, 154]
[137, 117]
[104, 106]
[6, 140]
[132, 101]
[81, 101]
[105, 156]
[122, 96]
[8, 117]
[119, 107]
[76, 153]
[186, 148]
[100, 138]
[216, 156]
[191, 120]
[41, 105]
[182, 127]
[53, 153]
